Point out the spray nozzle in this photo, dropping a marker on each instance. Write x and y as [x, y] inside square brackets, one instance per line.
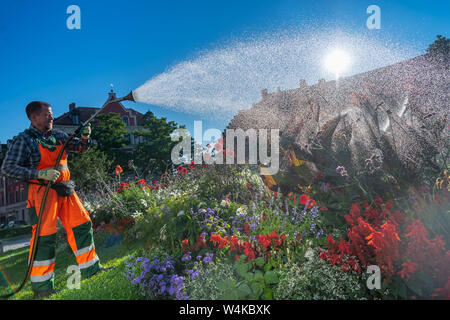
[129, 97]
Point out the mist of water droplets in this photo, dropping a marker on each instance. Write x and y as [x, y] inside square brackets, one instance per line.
[223, 80]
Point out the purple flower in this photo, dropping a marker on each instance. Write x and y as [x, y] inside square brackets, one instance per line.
[186, 257]
[194, 274]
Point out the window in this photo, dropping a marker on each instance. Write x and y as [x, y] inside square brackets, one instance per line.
[75, 119]
[125, 119]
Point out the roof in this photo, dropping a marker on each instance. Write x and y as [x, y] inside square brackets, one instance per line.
[84, 113]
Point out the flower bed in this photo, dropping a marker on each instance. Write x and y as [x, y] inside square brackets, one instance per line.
[310, 244]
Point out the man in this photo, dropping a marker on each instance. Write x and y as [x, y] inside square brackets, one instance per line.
[32, 157]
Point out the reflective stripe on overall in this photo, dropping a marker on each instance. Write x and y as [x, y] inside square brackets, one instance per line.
[73, 216]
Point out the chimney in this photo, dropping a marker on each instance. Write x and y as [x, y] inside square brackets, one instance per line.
[72, 106]
[112, 95]
[264, 93]
[321, 82]
[303, 84]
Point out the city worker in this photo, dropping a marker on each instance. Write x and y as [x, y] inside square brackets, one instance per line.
[31, 157]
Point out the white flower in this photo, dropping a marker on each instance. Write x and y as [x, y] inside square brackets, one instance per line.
[224, 203]
[309, 254]
[180, 213]
[144, 203]
[241, 211]
[136, 214]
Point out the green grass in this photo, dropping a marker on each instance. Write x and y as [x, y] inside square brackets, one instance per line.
[108, 285]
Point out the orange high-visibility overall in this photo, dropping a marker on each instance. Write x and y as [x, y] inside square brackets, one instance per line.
[73, 216]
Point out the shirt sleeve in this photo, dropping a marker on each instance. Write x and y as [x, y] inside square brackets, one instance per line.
[16, 159]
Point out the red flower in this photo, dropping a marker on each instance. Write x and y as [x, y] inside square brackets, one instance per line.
[311, 203]
[248, 251]
[122, 186]
[184, 245]
[218, 147]
[118, 170]
[200, 243]
[408, 268]
[303, 199]
[246, 228]
[141, 181]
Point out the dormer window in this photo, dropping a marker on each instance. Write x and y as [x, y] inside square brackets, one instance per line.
[75, 119]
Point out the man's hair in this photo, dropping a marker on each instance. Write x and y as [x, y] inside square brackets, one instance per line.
[35, 107]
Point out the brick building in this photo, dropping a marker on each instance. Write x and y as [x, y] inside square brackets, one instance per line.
[13, 192]
[12, 197]
[70, 120]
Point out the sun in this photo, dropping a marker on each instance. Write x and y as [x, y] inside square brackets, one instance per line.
[337, 61]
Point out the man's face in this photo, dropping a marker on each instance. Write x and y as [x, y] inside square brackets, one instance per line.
[43, 120]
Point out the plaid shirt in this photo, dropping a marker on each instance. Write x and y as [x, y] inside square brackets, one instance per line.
[23, 156]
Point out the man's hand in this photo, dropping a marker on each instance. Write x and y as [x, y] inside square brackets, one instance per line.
[48, 174]
[86, 131]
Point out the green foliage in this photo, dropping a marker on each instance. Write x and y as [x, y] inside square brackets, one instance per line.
[255, 281]
[154, 153]
[212, 281]
[318, 280]
[439, 49]
[88, 167]
[109, 131]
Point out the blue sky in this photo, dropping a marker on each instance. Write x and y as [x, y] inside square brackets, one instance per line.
[128, 42]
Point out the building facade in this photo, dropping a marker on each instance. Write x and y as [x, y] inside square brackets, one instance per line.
[71, 120]
[12, 197]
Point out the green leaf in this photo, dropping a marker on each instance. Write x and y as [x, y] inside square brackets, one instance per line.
[402, 290]
[226, 284]
[243, 291]
[258, 275]
[257, 289]
[415, 287]
[249, 276]
[270, 277]
[268, 294]
[259, 261]
[241, 269]
[232, 295]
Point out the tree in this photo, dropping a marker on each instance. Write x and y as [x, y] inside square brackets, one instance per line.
[109, 131]
[153, 154]
[87, 168]
[439, 50]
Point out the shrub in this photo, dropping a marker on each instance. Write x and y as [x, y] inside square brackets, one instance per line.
[207, 284]
[318, 280]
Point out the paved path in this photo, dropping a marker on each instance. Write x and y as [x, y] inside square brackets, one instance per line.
[15, 244]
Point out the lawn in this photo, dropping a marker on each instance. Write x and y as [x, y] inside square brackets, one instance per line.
[13, 265]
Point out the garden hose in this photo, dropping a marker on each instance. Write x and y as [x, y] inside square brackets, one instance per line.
[44, 198]
[38, 226]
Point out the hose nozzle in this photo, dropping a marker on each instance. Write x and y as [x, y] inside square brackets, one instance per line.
[129, 97]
